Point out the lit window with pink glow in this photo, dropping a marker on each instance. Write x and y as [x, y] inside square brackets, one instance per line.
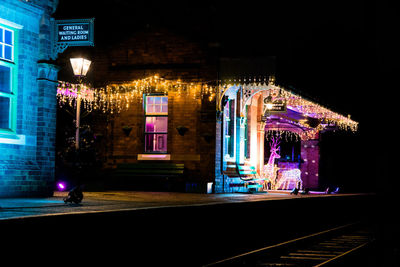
[156, 105]
[156, 123]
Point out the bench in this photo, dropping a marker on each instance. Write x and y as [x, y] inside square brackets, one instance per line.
[244, 172]
[149, 175]
[247, 172]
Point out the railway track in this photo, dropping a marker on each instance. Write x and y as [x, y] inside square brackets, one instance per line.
[317, 249]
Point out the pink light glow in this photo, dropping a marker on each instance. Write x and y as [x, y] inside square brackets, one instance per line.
[85, 93]
[289, 179]
[154, 156]
[61, 186]
[270, 169]
[67, 91]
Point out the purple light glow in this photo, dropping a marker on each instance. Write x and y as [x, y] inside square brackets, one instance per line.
[67, 91]
[61, 186]
[85, 93]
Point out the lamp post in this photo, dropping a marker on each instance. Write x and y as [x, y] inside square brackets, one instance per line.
[80, 67]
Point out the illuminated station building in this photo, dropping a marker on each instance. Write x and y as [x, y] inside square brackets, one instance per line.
[167, 119]
[28, 84]
[237, 136]
[171, 125]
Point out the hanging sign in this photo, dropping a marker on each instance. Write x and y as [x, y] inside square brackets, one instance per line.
[275, 107]
[75, 32]
[72, 32]
[78, 32]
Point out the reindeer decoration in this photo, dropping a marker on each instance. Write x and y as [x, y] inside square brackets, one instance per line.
[270, 169]
[289, 179]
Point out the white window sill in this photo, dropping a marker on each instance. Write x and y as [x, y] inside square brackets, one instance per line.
[12, 139]
[154, 157]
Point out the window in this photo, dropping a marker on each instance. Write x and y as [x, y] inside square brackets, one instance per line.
[7, 80]
[7, 97]
[229, 125]
[6, 44]
[246, 136]
[156, 123]
[5, 112]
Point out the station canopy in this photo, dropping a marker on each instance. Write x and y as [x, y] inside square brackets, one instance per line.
[285, 110]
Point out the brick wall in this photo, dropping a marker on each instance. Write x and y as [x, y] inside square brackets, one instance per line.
[172, 57]
[310, 167]
[195, 148]
[27, 168]
[149, 52]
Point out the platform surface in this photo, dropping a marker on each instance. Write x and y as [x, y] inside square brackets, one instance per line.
[14, 208]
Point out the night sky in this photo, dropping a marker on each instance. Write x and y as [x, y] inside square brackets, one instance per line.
[341, 53]
[328, 50]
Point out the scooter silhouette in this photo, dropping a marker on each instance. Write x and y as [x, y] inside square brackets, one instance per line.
[75, 195]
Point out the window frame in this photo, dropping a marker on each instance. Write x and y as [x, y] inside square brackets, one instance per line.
[13, 93]
[229, 129]
[3, 43]
[154, 114]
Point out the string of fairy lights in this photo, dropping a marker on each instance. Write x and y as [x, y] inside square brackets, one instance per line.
[283, 134]
[67, 94]
[115, 98]
[293, 101]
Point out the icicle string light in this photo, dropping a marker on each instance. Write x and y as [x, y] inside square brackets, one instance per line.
[251, 87]
[68, 93]
[117, 97]
[284, 135]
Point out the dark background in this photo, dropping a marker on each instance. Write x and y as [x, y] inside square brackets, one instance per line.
[340, 53]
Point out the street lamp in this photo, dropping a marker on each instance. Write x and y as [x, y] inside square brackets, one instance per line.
[80, 67]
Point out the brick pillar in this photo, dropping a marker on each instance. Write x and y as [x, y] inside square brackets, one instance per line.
[310, 166]
[46, 125]
[219, 182]
[46, 102]
[260, 145]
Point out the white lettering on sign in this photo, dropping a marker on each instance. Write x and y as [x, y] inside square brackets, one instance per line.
[73, 32]
[74, 27]
[73, 37]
